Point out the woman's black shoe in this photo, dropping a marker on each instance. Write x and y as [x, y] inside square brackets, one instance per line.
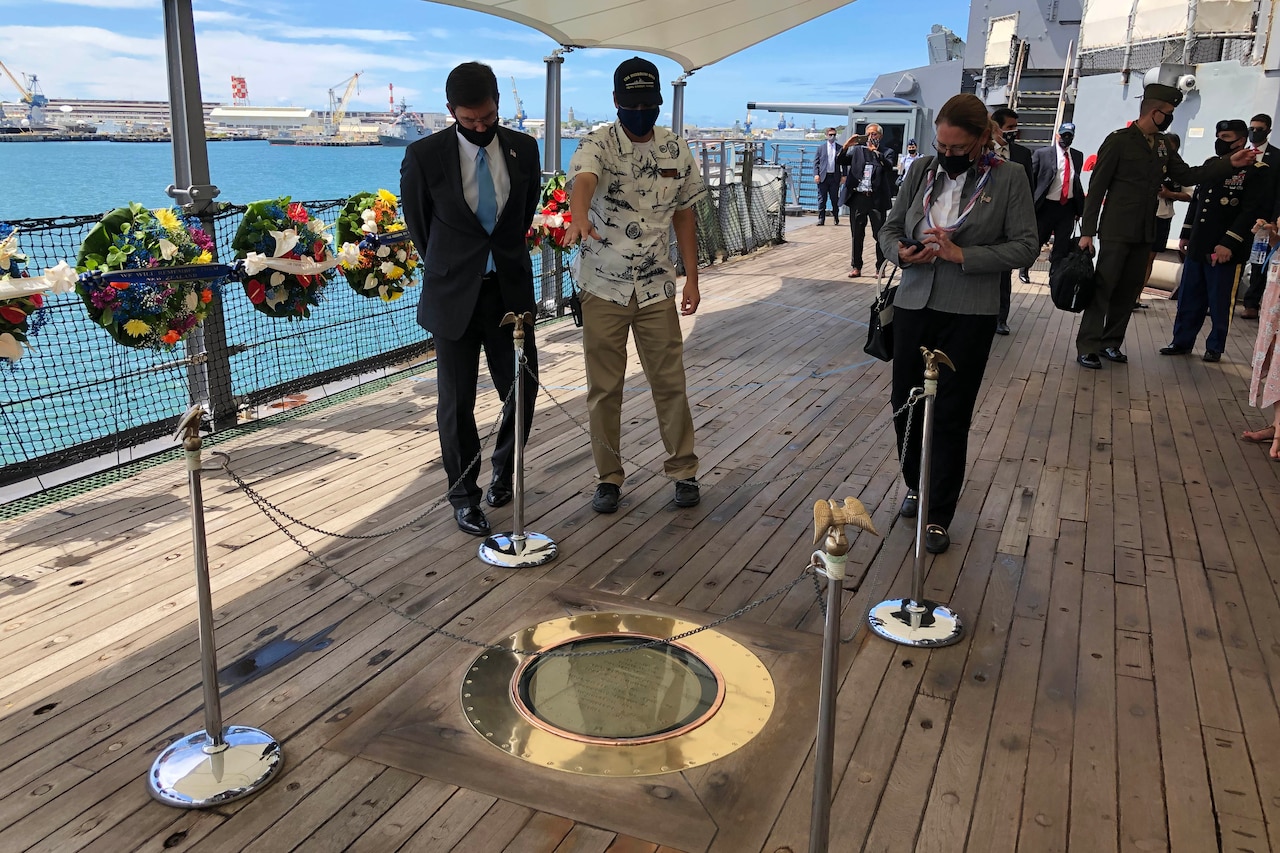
[936, 539]
[910, 505]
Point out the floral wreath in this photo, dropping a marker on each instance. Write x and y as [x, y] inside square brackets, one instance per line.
[150, 277]
[553, 215]
[286, 257]
[377, 256]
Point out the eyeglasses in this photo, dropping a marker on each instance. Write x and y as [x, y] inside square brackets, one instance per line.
[952, 150]
[474, 123]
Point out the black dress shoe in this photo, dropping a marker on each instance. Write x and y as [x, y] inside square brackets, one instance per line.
[1210, 355]
[1002, 328]
[1172, 350]
[1089, 360]
[1023, 276]
[837, 220]
[910, 504]
[471, 520]
[1114, 354]
[936, 539]
[606, 498]
[499, 494]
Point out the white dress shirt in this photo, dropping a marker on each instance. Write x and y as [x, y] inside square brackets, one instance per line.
[467, 153]
[945, 208]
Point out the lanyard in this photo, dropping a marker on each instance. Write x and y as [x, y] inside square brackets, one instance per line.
[983, 176]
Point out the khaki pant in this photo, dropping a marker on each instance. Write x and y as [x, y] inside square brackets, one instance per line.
[656, 328]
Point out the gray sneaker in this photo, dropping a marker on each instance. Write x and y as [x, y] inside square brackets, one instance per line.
[687, 493]
[606, 498]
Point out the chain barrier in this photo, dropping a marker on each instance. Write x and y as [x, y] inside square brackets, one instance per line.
[820, 465]
[264, 507]
[432, 507]
[274, 514]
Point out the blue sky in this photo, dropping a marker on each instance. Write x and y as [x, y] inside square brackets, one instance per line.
[293, 52]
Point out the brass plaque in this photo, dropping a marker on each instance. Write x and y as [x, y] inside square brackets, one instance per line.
[630, 712]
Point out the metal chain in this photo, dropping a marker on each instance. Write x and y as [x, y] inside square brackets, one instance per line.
[263, 506]
[432, 507]
[820, 465]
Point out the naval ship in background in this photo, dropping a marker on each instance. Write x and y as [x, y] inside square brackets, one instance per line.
[1085, 61]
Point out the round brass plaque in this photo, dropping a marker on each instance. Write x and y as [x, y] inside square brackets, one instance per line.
[626, 713]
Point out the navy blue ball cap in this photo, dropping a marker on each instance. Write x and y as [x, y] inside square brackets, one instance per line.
[1067, 128]
[636, 83]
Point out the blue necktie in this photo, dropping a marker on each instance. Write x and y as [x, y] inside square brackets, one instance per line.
[487, 202]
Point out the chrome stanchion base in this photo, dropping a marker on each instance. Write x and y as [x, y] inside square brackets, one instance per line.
[518, 552]
[194, 774]
[923, 624]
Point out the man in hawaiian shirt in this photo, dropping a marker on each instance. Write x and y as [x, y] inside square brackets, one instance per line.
[647, 181]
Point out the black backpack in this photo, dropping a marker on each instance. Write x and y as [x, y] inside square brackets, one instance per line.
[1071, 281]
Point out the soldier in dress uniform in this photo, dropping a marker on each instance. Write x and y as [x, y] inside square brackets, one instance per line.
[1132, 163]
[1216, 238]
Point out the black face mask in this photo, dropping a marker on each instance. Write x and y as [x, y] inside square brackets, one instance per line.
[1010, 135]
[1223, 148]
[479, 138]
[638, 122]
[1258, 135]
[911, 150]
[1065, 140]
[1164, 123]
[954, 164]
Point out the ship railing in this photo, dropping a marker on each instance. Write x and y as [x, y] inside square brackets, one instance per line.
[77, 402]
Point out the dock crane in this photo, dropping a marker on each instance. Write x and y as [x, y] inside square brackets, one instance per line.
[520, 114]
[338, 106]
[31, 94]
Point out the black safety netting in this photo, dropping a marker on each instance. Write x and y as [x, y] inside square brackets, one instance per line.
[77, 395]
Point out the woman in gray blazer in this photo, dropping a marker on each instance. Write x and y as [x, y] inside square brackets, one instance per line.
[962, 217]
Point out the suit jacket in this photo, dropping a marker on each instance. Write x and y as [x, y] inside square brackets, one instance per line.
[853, 161]
[1271, 156]
[1044, 168]
[1127, 177]
[999, 235]
[452, 243]
[1021, 155]
[820, 162]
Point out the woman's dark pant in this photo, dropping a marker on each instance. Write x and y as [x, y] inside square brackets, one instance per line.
[966, 340]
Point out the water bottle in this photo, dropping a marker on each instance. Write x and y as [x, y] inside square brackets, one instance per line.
[1261, 247]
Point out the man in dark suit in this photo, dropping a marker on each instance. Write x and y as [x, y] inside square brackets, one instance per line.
[469, 194]
[868, 190]
[1008, 148]
[1057, 191]
[828, 174]
[1131, 165]
[1259, 130]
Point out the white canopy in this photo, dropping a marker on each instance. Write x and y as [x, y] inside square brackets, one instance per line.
[694, 33]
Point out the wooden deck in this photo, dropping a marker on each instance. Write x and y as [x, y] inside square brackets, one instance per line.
[1115, 558]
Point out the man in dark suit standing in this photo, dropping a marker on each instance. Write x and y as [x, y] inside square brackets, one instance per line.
[1057, 191]
[1008, 148]
[1259, 130]
[869, 186]
[828, 174]
[469, 194]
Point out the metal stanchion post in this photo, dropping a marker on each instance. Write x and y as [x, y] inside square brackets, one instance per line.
[829, 519]
[519, 549]
[916, 621]
[220, 763]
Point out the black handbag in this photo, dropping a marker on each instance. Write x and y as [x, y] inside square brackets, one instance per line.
[1071, 281]
[880, 325]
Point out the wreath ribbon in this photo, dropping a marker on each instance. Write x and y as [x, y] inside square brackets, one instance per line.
[256, 262]
[155, 275]
[58, 279]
